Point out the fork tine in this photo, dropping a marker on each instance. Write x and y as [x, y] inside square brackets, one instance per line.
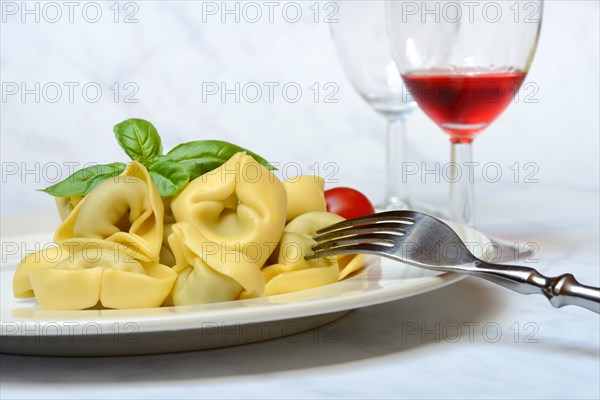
[370, 238]
[404, 217]
[365, 248]
[393, 228]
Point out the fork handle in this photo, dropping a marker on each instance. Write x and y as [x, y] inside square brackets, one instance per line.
[562, 290]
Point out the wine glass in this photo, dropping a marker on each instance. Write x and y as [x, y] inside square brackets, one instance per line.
[463, 62]
[362, 45]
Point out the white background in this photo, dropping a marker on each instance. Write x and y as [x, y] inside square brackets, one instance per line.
[170, 52]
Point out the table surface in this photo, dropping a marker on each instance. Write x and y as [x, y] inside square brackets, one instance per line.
[468, 340]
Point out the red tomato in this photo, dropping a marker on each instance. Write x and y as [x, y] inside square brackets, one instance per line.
[348, 203]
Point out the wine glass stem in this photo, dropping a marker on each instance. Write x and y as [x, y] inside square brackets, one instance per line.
[461, 184]
[396, 190]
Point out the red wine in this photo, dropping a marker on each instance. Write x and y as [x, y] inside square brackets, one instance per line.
[463, 104]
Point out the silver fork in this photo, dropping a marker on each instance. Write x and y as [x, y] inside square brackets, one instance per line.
[424, 241]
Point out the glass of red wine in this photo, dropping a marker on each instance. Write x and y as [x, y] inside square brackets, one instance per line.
[463, 62]
[361, 42]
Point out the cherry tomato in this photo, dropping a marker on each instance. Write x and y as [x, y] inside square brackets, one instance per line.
[348, 203]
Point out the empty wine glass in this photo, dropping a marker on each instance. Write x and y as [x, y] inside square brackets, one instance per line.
[362, 45]
[463, 62]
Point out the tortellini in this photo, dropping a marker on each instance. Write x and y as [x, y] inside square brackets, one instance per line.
[223, 238]
[108, 251]
[208, 272]
[85, 272]
[127, 210]
[292, 272]
[238, 205]
[304, 194]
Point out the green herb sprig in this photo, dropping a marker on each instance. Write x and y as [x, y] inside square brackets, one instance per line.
[170, 172]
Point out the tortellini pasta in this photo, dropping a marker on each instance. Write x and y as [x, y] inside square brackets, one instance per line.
[223, 238]
[292, 272]
[82, 273]
[238, 205]
[127, 210]
[208, 272]
[108, 250]
[304, 194]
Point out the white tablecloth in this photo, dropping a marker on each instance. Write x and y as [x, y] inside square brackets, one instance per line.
[469, 340]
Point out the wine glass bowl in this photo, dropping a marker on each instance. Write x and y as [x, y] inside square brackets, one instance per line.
[463, 102]
[362, 46]
[463, 62]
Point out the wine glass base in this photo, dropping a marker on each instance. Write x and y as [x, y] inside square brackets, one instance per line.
[502, 251]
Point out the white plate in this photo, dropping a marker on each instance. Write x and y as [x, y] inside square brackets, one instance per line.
[26, 329]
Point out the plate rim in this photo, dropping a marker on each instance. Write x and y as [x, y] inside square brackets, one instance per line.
[184, 317]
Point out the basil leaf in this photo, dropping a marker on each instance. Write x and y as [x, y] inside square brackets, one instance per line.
[169, 177]
[140, 140]
[202, 156]
[82, 182]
